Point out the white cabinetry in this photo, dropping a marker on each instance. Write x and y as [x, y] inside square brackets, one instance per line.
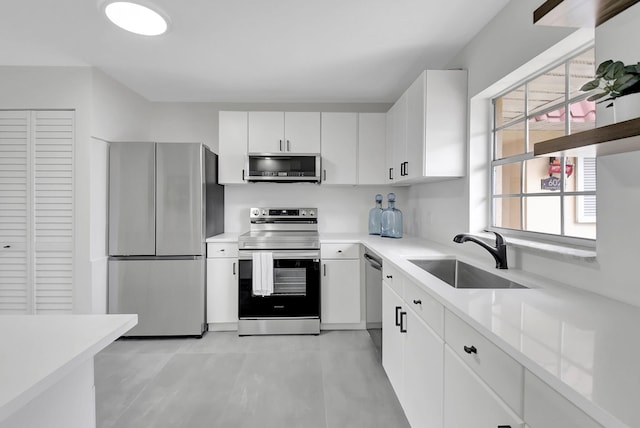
[222, 286]
[232, 141]
[371, 148]
[280, 132]
[340, 293]
[428, 134]
[545, 408]
[339, 148]
[469, 402]
[36, 211]
[412, 354]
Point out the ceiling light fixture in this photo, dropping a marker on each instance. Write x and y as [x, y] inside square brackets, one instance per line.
[136, 18]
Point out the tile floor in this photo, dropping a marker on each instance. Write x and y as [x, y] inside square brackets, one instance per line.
[334, 380]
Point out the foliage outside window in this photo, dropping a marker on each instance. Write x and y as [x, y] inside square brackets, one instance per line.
[533, 195]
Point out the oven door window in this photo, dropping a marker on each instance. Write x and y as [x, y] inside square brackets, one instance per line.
[296, 290]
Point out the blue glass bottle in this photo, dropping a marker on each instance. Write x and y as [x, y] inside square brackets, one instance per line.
[374, 216]
[391, 219]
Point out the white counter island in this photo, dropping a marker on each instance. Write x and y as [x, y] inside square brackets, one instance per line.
[46, 367]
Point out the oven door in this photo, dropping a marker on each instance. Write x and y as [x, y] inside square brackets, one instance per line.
[296, 286]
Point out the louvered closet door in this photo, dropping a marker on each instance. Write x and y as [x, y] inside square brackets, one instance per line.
[36, 211]
[14, 206]
[53, 137]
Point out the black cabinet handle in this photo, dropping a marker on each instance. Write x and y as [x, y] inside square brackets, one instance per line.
[234, 268]
[403, 328]
[281, 146]
[288, 145]
[398, 308]
[243, 175]
[504, 426]
[417, 302]
[324, 270]
[339, 251]
[7, 246]
[470, 349]
[402, 169]
[406, 168]
[389, 276]
[390, 173]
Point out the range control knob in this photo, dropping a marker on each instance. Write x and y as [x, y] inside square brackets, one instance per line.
[311, 213]
[264, 212]
[255, 213]
[303, 212]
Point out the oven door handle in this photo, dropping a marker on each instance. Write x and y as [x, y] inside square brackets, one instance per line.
[278, 255]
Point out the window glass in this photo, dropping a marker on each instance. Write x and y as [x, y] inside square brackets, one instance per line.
[548, 195]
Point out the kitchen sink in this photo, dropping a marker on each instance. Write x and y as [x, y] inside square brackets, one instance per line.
[461, 275]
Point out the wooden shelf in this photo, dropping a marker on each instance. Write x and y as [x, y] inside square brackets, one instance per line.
[579, 13]
[620, 137]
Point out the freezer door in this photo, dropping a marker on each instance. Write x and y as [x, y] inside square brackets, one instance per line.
[179, 195]
[132, 224]
[167, 295]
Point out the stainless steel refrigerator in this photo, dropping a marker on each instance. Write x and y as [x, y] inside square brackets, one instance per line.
[164, 201]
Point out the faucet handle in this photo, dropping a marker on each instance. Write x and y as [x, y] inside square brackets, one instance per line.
[499, 238]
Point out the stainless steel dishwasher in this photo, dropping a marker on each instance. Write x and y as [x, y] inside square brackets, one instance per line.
[373, 278]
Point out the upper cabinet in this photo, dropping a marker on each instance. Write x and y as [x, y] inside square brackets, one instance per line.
[232, 142]
[339, 148]
[371, 148]
[426, 129]
[284, 132]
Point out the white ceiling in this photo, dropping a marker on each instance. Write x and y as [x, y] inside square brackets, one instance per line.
[251, 50]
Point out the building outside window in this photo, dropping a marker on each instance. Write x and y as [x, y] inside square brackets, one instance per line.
[544, 197]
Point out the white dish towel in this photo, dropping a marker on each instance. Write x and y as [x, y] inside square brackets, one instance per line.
[262, 273]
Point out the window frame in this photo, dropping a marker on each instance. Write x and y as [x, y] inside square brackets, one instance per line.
[566, 102]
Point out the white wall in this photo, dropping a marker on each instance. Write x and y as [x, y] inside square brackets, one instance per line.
[341, 209]
[511, 46]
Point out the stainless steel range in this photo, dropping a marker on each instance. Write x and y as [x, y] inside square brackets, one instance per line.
[279, 273]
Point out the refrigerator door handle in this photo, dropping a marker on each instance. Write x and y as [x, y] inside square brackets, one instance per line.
[138, 258]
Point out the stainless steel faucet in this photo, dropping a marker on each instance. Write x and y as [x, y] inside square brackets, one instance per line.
[499, 252]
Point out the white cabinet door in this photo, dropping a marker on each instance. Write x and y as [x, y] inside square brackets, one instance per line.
[339, 147]
[266, 132]
[414, 154]
[389, 148]
[371, 148]
[423, 377]
[302, 132]
[392, 339]
[468, 401]
[400, 138]
[340, 293]
[232, 140]
[222, 290]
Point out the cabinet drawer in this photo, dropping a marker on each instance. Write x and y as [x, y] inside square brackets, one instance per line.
[392, 276]
[340, 251]
[501, 372]
[425, 306]
[545, 408]
[222, 249]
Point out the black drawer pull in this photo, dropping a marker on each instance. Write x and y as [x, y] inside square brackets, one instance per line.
[398, 308]
[7, 246]
[504, 426]
[470, 349]
[403, 328]
[389, 276]
[417, 302]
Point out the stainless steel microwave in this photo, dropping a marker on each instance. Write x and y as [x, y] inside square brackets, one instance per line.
[284, 168]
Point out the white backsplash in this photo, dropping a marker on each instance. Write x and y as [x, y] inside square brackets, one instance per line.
[341, 209]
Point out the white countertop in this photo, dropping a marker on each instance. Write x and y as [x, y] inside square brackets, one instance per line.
[36, 351]
[224, 237]
[583, 345]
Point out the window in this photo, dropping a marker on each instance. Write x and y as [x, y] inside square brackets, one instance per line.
[550, 196]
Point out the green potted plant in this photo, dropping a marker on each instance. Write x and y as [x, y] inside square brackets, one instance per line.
[615, 80]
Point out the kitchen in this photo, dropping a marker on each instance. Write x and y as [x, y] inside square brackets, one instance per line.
[438, 211]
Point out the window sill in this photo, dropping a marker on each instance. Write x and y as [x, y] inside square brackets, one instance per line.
[568, 251]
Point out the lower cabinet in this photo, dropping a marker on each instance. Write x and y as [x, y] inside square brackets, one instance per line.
[469, 402]
[412, 356]
[222, 286]
[340, 293]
